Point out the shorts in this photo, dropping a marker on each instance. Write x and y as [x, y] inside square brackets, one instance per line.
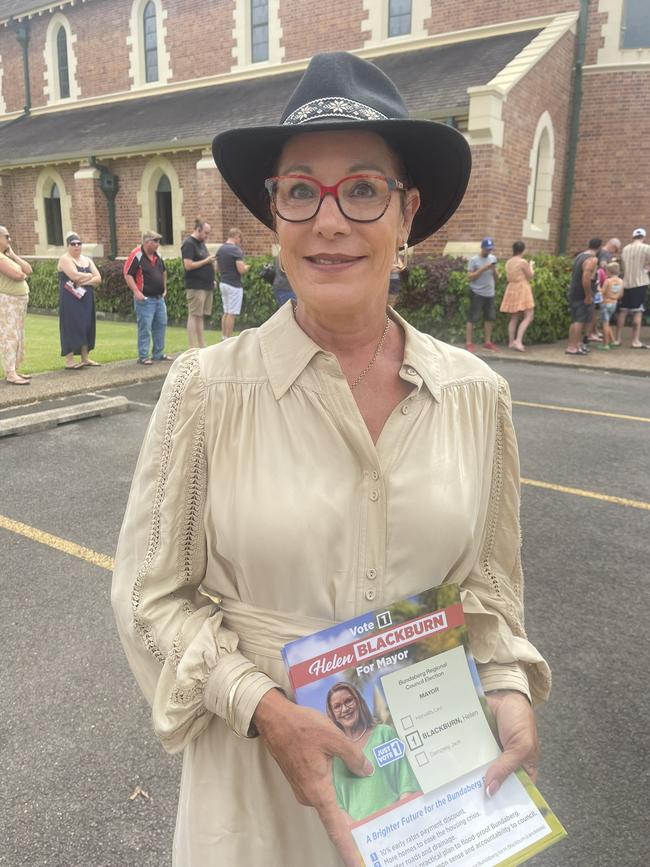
[232, 297]
[607, 311]
[199, 301]
[480, 304]
[633, 300]
[581, 312]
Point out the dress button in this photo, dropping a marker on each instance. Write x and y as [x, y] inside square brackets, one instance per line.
[411, 372]
[371, 574]
[405, 410]
[374, 496]
[370, 595]
[375, 475]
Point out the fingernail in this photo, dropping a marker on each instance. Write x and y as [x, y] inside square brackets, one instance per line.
[368, 768]
[492, 789]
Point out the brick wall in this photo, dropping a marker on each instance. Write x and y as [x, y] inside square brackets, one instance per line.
[309, 27]
[101, 50]
[19, 188]
[200, 38]
[450, 15]
[12, 64]
[6, 201]
[610, 195]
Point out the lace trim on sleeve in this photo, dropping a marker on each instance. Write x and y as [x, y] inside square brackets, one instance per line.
[191, 529]
[496, 492]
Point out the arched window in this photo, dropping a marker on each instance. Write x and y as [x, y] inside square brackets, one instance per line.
[53, 220]
[540, 189]
[62, 63]
[164, 214]
[150, 42]
[541, 186]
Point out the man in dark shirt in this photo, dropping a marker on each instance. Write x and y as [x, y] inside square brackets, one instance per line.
[584, 284]
[199, 281]
[146, 277]
[232, 267]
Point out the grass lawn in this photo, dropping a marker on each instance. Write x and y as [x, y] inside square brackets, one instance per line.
[115, 341]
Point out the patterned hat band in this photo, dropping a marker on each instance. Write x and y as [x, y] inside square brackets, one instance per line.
[332, 107]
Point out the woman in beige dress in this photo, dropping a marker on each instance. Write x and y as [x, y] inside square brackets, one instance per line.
[320, 466]
[518, 298]
[14, 297]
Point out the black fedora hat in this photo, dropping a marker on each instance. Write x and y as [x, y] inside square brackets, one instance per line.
[340, 91]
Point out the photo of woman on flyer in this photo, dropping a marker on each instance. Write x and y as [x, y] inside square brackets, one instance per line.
[360, 797]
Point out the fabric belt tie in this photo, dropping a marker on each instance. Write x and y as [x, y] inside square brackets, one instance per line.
[264, 631]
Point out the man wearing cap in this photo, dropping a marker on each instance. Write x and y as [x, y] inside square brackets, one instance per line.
[146, 277]
[232, 268]
[635, 260]
[482, 280]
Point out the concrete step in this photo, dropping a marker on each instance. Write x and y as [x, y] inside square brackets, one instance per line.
[38, 421]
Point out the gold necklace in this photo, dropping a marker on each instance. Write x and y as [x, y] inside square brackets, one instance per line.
[368, 367]
[358, 738]
[374, 357]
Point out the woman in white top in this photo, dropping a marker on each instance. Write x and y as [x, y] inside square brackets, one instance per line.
[14, 297]
[318, 467]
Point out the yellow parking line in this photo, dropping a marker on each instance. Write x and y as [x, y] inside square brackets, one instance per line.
[581, 411]
[64, 545]
[593, 495]
[108, 563]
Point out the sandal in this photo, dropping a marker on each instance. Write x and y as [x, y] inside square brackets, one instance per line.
[90, 363]
[20, 381]
[147, 361]
[78, 366]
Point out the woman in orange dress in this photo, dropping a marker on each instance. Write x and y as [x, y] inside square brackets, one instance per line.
[518, 298]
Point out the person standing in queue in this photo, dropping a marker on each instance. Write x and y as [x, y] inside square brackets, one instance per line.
[14, 298]
[198, 266]
[230, 261]
[146, 277]
[482, 270]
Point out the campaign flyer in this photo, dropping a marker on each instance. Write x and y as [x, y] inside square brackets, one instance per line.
[402, 683]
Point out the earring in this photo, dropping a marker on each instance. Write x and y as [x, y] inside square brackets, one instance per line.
[401, 254]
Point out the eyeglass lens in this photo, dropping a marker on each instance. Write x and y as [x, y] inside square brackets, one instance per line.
[362, 199]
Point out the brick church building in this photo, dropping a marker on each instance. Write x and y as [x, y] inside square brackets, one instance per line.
[108, 109]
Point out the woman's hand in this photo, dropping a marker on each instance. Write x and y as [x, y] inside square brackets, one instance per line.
[518, 735]
[303, 742]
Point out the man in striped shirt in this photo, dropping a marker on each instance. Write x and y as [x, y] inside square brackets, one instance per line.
[636, 261]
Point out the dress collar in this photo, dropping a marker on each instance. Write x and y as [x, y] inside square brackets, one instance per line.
[287, 351]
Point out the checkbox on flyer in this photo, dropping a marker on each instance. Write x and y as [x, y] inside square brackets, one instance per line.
[407, 722]
[422, 759]
[414, 740]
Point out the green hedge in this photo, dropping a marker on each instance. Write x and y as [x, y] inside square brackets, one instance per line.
[434, 296]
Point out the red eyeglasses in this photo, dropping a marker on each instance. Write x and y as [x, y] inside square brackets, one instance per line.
[360, 198]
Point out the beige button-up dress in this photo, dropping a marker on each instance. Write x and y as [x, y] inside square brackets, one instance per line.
[258, 482]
